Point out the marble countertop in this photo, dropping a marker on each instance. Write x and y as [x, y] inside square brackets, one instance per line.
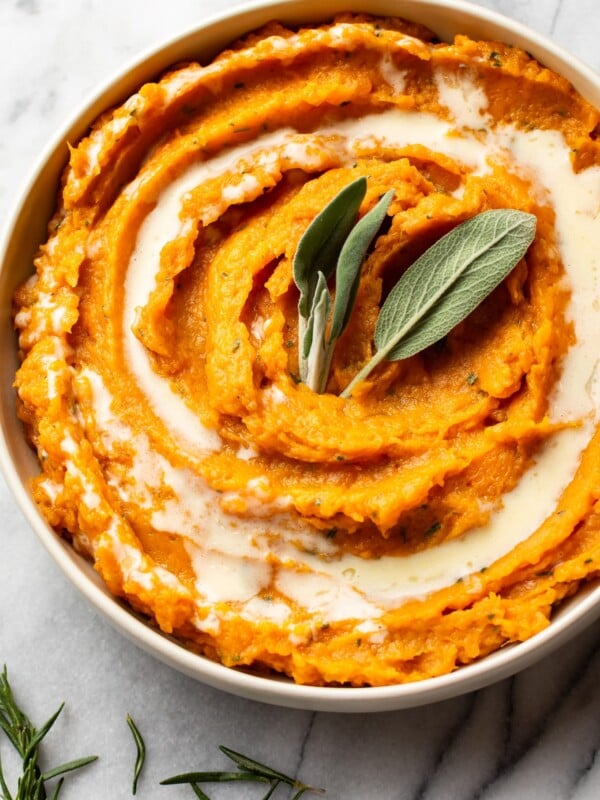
[532, 737]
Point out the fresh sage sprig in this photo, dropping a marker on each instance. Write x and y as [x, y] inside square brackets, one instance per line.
[436, 293]
[333, 241]
[248, 770]
[26, 739]
[448, 282]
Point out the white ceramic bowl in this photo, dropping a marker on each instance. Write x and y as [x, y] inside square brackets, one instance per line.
[27, 228]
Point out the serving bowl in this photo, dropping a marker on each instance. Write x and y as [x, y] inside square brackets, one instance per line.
[27, 228]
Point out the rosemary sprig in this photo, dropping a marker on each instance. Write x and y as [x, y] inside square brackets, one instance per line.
[248, 770]
[26, 740]
[140, 757]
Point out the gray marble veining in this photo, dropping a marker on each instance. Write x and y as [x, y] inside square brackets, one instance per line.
[535, 736]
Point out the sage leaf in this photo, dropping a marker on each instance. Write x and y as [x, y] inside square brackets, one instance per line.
[316, 352]
[350, 260]
[447, 283]
[319, 295]
[322, 241]
[318, 252]
[333, 240]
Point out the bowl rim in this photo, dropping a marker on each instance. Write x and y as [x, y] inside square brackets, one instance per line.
[570, 618]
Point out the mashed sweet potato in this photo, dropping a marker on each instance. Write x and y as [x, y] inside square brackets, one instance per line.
[452, 501]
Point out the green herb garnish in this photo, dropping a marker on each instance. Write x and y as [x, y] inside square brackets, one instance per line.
[437, 292]
[434, 528]
[447, 283]
[248, 770]
[140, 752]
[26, 739]
[333, 241]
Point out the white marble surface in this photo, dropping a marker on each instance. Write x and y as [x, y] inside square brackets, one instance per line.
[533, 737]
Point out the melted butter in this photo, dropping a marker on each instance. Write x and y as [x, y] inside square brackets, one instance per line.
[463, 98]
[136, 567]
[220, 576]
[403, 128]
[322, 597]
[390, 73]
[51, 489]
[271, 610]
[237, 192]
[576, 201]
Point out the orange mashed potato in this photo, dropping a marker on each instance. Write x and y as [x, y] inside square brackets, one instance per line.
[262, 524]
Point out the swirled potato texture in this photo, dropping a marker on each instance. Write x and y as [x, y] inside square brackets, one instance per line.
[448, 505]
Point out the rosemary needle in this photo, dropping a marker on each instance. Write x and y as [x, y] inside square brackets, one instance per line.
[140, 752]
